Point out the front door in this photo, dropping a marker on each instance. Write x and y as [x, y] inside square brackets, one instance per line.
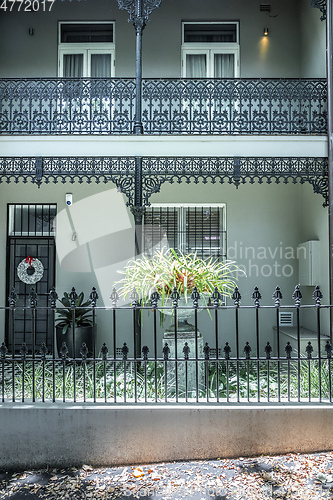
[30, 264]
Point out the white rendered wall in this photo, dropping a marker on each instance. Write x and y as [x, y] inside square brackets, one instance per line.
[120, 435]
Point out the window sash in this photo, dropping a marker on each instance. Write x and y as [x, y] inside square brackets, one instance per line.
[196, 229]
[210, 63]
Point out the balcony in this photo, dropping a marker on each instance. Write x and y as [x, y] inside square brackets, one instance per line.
[60, 106]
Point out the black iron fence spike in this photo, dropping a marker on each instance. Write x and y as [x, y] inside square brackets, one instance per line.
[328, 349]
[216, 297]
[186, 350]
[93, 297]
[84, 351]
[268, 350]
[53, 297]
[277, 296]
[73, 297]
[317, 295]
[206, 351]
[33, 298]
[63, 351]
[297, 295]
[43, 350]
[114, 297]
[236, 297]
[227, 350]
[154, 298]
[166, 351]
[256, 296]
[195, 296]
[23, 350]
[134, 297]
[125, 351]
[3, 351]
[247, 350]
[175, 296]
[145, 352]
[288, 349]
[104, 351]
[309, 350]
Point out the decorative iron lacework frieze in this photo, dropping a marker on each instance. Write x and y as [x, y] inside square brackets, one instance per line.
[121, 171]
[156, 171]
[320, 4]
[234, 170]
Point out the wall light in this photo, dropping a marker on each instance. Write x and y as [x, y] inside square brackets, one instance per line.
[265, 31]
[31, 31]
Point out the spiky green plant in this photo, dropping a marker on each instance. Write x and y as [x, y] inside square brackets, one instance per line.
[82, 315]
[168, 269]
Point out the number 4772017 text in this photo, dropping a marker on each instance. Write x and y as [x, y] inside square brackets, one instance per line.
[26, 5]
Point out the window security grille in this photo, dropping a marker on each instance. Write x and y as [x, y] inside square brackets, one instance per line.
[190, 229]
[31, 220]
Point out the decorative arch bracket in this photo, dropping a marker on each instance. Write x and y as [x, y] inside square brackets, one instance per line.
[322, 6]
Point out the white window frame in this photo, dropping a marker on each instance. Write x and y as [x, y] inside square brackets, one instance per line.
[87, 49]
[181, 208]
[210, 49]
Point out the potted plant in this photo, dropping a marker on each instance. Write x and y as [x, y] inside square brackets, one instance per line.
[168, 269]
[83, 323]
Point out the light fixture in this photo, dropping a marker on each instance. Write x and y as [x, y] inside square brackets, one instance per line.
[265, 31]
[31, 31]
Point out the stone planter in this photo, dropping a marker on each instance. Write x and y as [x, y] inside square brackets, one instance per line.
[186, 370]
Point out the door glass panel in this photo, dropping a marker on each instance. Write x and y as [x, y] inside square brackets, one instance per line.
[224, 65]
[73, 65]
[101, 65]
[196, 65]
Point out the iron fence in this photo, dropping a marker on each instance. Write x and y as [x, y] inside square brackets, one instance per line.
[182, 366]
[169, 106]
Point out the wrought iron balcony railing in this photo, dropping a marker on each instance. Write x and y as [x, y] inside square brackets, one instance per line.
[169, 106]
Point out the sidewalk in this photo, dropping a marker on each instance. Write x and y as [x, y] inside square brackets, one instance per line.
[293, 476]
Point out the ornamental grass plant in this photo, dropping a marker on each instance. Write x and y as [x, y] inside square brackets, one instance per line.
[169, 269]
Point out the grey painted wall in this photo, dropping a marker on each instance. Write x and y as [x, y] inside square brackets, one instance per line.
[265, 224]
[279, 55]
[313, 42]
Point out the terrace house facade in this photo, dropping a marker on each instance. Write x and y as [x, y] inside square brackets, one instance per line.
[226, 157]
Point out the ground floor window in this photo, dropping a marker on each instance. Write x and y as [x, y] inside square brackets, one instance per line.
[190, 228]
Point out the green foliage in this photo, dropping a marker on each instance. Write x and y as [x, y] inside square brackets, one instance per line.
[169, 269]
[82, 316]
[148, 380]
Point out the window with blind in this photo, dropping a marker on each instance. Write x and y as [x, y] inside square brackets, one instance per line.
[210, 50]
[189, 228]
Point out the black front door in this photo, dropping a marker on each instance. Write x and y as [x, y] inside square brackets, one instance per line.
[30, 264]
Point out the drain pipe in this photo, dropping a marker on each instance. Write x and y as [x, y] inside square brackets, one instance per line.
[329, 65]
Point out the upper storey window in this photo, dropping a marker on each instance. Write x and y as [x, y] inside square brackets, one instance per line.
[86, 49]
[210, 50]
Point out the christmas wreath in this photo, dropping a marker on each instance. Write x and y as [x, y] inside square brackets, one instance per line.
[30, 270]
